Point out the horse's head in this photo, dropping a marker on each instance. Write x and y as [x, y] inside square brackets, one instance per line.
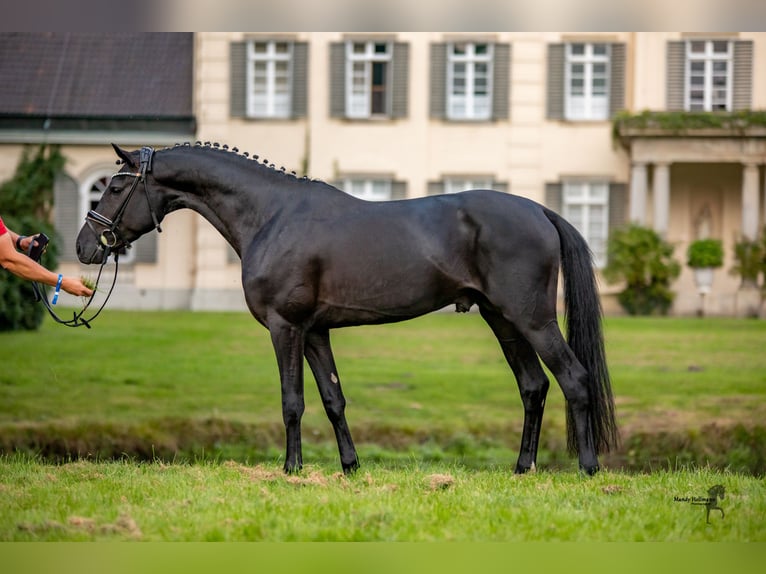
[717, 491]
[125, 211]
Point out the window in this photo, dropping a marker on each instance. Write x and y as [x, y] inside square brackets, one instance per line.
[368, 189]
[587, 81]
[269, 79]
[469, 81]
[458, 184]
[269, 73]
[367, 79]
[586, 206]
[90, 194]
[708, 75]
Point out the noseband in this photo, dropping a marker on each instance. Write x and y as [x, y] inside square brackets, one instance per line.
[110, 237]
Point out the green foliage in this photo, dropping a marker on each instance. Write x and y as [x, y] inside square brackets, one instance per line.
[644, 261]
[705, 253]
[750, 260]
[26, 201]
[680, 122]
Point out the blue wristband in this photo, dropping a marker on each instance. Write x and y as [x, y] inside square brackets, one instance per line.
[58, 290]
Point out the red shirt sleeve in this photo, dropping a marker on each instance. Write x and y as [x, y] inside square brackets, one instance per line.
[3, 229]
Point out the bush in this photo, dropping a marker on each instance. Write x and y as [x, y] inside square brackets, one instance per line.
[749, 260]
[26, 203]
[705, 253]
[644, 261]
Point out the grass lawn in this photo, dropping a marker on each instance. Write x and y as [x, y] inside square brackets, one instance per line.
[175, 384]
[86, 501]
[169, 427]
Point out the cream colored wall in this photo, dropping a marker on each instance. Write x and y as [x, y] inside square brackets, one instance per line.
[526, 151]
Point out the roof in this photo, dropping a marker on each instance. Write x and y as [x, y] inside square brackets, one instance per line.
[79, 80]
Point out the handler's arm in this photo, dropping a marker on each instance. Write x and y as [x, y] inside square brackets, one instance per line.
[21, 265]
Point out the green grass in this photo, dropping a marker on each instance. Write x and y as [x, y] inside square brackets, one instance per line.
[86, 501]
[187, 386]
[167, 426]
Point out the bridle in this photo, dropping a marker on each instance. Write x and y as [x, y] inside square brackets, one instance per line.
[110, 240]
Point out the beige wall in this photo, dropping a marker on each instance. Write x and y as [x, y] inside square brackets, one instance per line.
[527, 151]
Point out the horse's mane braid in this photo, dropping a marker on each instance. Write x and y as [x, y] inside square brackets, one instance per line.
[235, 151]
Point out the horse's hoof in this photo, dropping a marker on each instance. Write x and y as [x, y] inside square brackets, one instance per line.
[524, 469]
[590, 470]
[293, 468]
[350, 468]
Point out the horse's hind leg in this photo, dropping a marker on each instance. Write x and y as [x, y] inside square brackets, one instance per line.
[550, 345]
[320, 359]
[532, 382]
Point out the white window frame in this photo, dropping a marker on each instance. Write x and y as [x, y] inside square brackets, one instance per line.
[359, 76]
[706, 62]
[469, 105]
[270, 101]
[458, 184]
[369, 189]
[592, 200]
[588, 105]
[91, 190]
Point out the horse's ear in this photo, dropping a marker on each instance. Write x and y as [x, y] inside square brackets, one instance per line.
[123, 155]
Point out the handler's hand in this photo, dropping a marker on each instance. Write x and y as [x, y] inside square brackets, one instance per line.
[75, 287]
[26, 242]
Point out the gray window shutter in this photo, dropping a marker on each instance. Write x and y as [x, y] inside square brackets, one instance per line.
[338, 80]
[617, 79]
[231, 255]
[398, 190]
[742, 85]
[555, 101]
[501, 81]
[435, 188]
[238, 79]
[500, 186]
[554, 196]
[300, 79]
[145, 248]
[676, 75]
[400, 87]
[438, 96]
[66, 218]
[618, 201]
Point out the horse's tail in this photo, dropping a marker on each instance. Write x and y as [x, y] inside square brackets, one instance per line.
[585, 336]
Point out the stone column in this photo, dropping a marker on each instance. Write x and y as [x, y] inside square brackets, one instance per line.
[750, 201]
[638, 193]
[661, 189]
[748, 295]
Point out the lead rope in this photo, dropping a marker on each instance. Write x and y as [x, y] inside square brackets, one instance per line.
[77, 319]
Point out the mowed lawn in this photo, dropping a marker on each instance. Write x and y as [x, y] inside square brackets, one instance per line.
[433, 408]
[438, 381]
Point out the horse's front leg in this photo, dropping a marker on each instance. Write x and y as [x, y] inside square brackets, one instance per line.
[288, 341]
[322, 363]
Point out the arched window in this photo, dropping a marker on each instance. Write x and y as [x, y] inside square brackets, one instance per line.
[91, 190]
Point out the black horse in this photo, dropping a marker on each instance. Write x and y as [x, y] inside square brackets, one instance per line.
[315, 258]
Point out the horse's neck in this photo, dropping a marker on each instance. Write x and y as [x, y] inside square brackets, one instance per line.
[236, 211]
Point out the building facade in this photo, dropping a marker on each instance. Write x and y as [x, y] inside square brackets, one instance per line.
[404, 115]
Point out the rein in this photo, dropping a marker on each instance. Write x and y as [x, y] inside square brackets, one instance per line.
[77, 319]
[109, 239]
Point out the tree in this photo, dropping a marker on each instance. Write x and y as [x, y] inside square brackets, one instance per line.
[644, 261]
[26, 204]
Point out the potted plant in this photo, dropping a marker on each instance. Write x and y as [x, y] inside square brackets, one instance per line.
[748, 257]
[703, 256]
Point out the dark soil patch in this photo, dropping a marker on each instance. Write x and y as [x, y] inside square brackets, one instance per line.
[739, 447]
